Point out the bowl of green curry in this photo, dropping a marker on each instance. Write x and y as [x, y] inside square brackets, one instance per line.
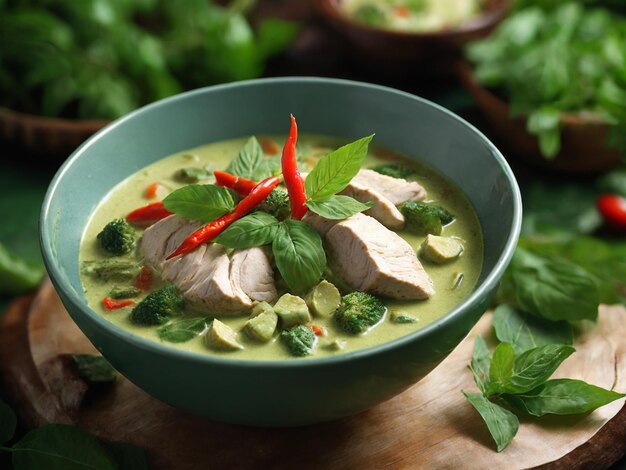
[309, 303]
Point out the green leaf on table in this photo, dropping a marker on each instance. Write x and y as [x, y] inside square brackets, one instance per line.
[502, 424]
[94, 369]
[545, 123]
[256, 229]
[61, 447]
[554, 289]
[338, 207]
[181, 331]
[8, 423]
[562, 397]
[299, 255]
[334, 171]
[501, 368]
[479, 365]
[203, 202]
[127, 456]
[535, 366]
[248, 160]
[16, 276]
[526, 332]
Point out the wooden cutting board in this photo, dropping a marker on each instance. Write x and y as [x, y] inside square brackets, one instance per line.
[428, 426]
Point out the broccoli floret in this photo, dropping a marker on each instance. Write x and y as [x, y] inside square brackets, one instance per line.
[118, 270]
[423, 218]
[192, 175]
[124, 292]
[395, 170]
[370, 14]
[300, 340]
[277, 204]
[158, 306]
[358, 312]
[117, 237]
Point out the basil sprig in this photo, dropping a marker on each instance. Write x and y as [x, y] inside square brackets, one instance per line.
[203, 202]
[331, 175]
[252, 164]
[181, 331]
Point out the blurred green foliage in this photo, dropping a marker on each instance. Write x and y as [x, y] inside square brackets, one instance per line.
[104, 58]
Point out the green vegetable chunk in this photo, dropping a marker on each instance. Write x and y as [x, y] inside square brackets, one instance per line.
[192, 175]
[277, 204]
[300, 340]
[323, 299]
[292, 310]
[94, 369]
[401, 317]
[117, 237]
[395, 170]
[336, 345]
[222, 337]
[423, 218]
[441, 250]
[111, 269]
[158, 306]
[359, 312]
[124, 292]
[262, 323]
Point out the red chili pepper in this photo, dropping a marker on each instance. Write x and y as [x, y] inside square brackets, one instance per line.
[613, 210]
[113, 304]
[401, 11]
[211, 230]
[150, 213]
[151, 191]
[293, 180]
[269, 146]
[242, 185]
[143, 280]
[318, 330]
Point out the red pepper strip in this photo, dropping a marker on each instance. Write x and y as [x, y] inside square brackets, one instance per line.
[151, 212]
[242, 185]
[293, 180]
[113, 304]
[211, 230]
[317, 330]
[143, 280]
[613, 210]
[151, 191]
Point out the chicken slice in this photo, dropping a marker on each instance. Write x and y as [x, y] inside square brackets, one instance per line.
[251, 269]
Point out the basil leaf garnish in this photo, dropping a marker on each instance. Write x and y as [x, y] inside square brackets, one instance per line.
[299, 255]
[526, 332]
[203, 202]
[501, 368]
[479, 366]
[535, 366]
[502, 424]
[181, 331]
[334, 171]
[562, 397]
[247, 160]
[256, 229]
[338, 207]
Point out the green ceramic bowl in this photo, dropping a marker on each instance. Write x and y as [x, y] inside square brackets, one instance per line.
[286, 392]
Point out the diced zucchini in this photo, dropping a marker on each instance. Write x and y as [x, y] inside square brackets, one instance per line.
[292, 310]
[441, 249]
[260, 307]
[262, 326]
[221, 337]
[323, 299]
[336, 345]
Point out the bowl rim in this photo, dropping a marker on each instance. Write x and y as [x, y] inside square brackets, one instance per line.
[79, 303]
[481, 22]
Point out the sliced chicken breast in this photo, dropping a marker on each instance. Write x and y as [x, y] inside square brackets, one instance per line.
[251, 269]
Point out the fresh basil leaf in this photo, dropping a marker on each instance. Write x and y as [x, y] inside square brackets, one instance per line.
[61, 447]
[203, 202]
[16, 276]
[334, 171]
[256, 229]
[526, 332]
[268, 167]
[248, 160]
[554, 289]
[501, 368]
[127, 456]
[502, 424]
[338, 207]
[545, 123]
[479, 366]
[94, 369]
[562, 397]
[181, 331]
[8, 422]
[535, 366]
[299, 255]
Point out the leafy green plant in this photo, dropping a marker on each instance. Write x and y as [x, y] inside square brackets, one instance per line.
[552, 58]
[104, 58]
[16, 276]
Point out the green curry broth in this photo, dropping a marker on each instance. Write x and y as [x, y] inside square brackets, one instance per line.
[128, 195]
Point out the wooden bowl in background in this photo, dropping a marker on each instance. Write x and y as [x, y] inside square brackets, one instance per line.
[583, 138]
